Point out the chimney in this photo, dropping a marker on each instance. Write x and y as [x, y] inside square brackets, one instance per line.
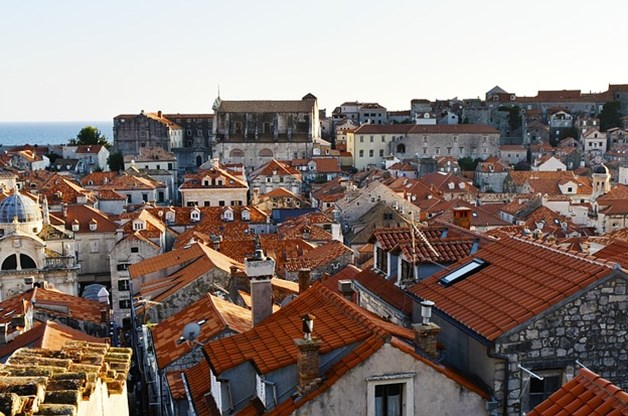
[159, 113]
[462, 217]
[304, 280]
[426, 333]
[308, 362]
[4, 331]
[260, 269]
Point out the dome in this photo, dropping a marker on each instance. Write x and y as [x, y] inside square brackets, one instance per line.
[22, 207]
[600, 169]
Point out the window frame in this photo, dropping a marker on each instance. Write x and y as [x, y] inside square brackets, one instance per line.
[407, 394]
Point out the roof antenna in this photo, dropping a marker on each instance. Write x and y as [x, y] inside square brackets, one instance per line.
[218, 90]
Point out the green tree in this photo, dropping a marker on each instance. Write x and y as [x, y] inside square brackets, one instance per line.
[115, 161]
[610, 116]
[467, 163]
[90, 135]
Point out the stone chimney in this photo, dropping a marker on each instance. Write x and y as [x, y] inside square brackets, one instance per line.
[462, 217]
[260, 269]
[426, 333]
[159, 113]
[304, 280]
[308, 361]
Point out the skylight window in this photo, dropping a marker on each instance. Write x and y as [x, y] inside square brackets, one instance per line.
[463, 272]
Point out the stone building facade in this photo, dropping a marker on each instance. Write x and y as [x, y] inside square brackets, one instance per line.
[131, 132]
[590, 329]
[255, 132]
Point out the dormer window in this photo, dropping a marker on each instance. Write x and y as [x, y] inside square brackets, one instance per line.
[228, 214]
[245, 215]
[138, 225]
[75, 226]
[170, 217]
[195, 215]
[93, 225]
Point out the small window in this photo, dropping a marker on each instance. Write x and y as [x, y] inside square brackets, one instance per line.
[123, 266]
[125, 304]
[371, 153]
[135, 250]
[463, 272]
[123, 285]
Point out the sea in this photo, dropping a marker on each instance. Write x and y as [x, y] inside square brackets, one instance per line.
[44, 133]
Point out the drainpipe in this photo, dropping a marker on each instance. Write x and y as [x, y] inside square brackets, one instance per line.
[506, 376]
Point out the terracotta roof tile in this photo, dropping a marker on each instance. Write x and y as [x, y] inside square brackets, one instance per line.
[521, 279]
[49, 335]
[585, 394]
[270, 344]
[220, 316]
[275, 167]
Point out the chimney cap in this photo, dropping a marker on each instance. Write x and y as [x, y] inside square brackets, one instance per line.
[308, 325]
[426, 311]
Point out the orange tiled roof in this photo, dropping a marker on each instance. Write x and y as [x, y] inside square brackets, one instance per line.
[275, 167]
[378, 285]
[97, 178]
[270, 345]
[318, 256]
[616, 251]
[49, 335]
[540, 275]
[326, 164]
[585, 394]
[85, 215]
[219, 315]
[230, 179]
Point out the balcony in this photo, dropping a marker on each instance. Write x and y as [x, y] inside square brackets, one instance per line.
[61, 263]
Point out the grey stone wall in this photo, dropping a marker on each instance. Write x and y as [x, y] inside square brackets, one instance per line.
[592, 329]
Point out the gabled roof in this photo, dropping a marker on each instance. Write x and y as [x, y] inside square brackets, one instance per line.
[49, 335]
[219, 315]
[275, 167]
[585, 394]
[230, 179]
[521, 279]
[84, 215]
[270, 345]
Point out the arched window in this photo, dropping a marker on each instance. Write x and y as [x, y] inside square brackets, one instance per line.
[237, 128]
[265, 153]
[199, 160]
[10, 263]
[27, 262]
[401, 148]
[236, 153]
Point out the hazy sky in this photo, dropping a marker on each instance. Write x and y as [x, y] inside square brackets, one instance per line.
[91, 60]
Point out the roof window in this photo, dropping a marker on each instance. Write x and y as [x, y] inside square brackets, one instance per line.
[463, 272]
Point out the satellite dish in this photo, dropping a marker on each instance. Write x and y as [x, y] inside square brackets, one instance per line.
[191, 331]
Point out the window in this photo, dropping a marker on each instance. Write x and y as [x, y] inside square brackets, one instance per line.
[455, 139]
[361, 153]
[407, 271]
[425, 150]
[123, 266]
[93, 246]
[361, 139]
[388, 399]
[390, 394]
[135, 249]
[461, 150]
[540, 390]
[449, 150]
[129, 198]
[206, 203]
[169, 166]
[437, 150]
[139, 225]
[463, 272]
[424, 139]
[371, 139]
[144, 197]
[371, 153]
[382, 257]
[123, 285]
[383, 139]
[381, 152]
[125, 304]
[221, 203]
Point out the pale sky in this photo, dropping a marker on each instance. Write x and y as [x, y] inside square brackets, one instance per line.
[91, 60]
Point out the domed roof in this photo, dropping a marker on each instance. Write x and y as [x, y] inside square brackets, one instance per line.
[600, 169]
[20, 206]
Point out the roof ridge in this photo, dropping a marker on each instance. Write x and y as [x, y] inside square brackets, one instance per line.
[567, 252]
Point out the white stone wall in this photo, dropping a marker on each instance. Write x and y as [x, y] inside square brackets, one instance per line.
[433, 392]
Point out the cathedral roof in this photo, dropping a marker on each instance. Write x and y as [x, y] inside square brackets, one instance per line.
[20, 207]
